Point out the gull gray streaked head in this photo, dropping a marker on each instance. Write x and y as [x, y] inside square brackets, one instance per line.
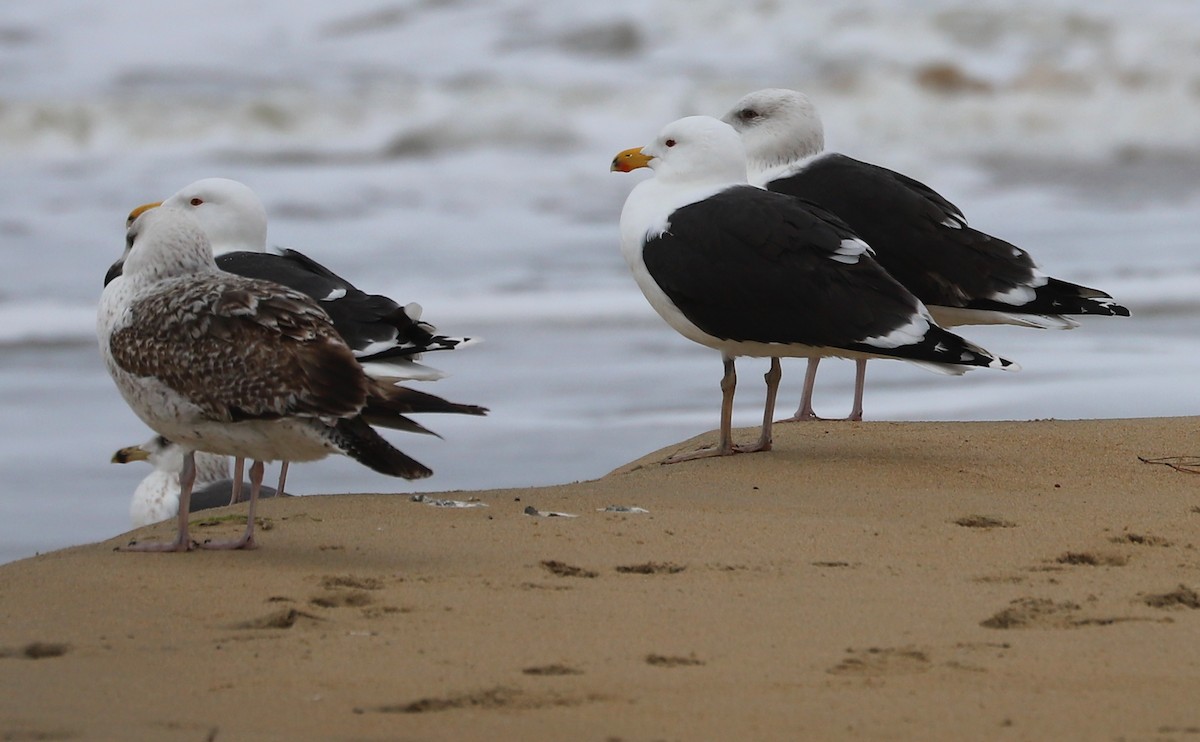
[163, 243]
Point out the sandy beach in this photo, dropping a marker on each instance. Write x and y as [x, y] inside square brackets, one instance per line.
[935, 581]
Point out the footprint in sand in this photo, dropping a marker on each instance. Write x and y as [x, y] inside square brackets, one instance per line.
[651, 568]
[1093, 558]
[499, 697]
[342, 599]
[554, 670]
[1181, 597]
[350, 591]
[874, 661]
[667, 660]
[562, 569]
[331, 582]
[975, 656]
[1141, 539]
[284, 618]
[36, 651]
[986, 522]
[1044, 613]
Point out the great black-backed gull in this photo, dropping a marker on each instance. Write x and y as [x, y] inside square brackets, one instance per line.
[239, 367]
[387, 338]
[964, 276]
[156, 497]
[754, 273]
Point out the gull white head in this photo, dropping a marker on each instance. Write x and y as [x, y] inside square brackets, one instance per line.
[164, 243]
[697, 150]
[229, 212]
[166, 456]
[692, 159]
[157, 496]
[778, 127]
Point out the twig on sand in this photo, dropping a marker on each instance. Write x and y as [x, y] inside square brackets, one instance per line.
[1189, 464]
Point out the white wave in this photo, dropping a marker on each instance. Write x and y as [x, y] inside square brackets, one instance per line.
[942, 78]
[46, 322]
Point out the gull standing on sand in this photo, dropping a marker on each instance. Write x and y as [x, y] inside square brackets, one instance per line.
[387, 338]
[237, 366]
[754, 273]
[964, 276]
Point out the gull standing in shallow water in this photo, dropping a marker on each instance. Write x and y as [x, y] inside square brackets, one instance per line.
[237, 366]
[754, 273]
[387, 338]
[964, 276]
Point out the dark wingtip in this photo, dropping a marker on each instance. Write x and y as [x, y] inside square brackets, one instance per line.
[1099, 307]
[1118, 310]
[1073, 299]
[404, 400]
[359, 441]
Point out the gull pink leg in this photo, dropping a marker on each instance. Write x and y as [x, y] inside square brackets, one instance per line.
[283, 467]
[239, 465]
[182, 542]
[725, 446]
[764, 438]
[860, 382]
[805, 411]
[246, 540]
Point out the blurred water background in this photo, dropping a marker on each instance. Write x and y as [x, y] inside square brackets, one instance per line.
[456, 152]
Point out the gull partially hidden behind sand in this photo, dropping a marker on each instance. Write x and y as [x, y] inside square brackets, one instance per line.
[156, 497]
[239, 367]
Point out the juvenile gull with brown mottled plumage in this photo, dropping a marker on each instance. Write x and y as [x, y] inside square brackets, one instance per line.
[238, 366]
[387, 339]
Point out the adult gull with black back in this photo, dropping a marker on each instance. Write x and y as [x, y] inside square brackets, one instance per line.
[754, 273]
[964, 276]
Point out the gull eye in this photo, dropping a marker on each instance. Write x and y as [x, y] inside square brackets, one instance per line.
[747, 113]
[670, 142]
[196, 201]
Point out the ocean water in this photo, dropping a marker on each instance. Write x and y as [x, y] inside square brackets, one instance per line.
[455, 153]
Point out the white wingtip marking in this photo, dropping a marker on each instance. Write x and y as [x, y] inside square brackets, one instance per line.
[908, 334]
[849, 251]
[401, 370]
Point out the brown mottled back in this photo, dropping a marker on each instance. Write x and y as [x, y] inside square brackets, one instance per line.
[241, 349]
